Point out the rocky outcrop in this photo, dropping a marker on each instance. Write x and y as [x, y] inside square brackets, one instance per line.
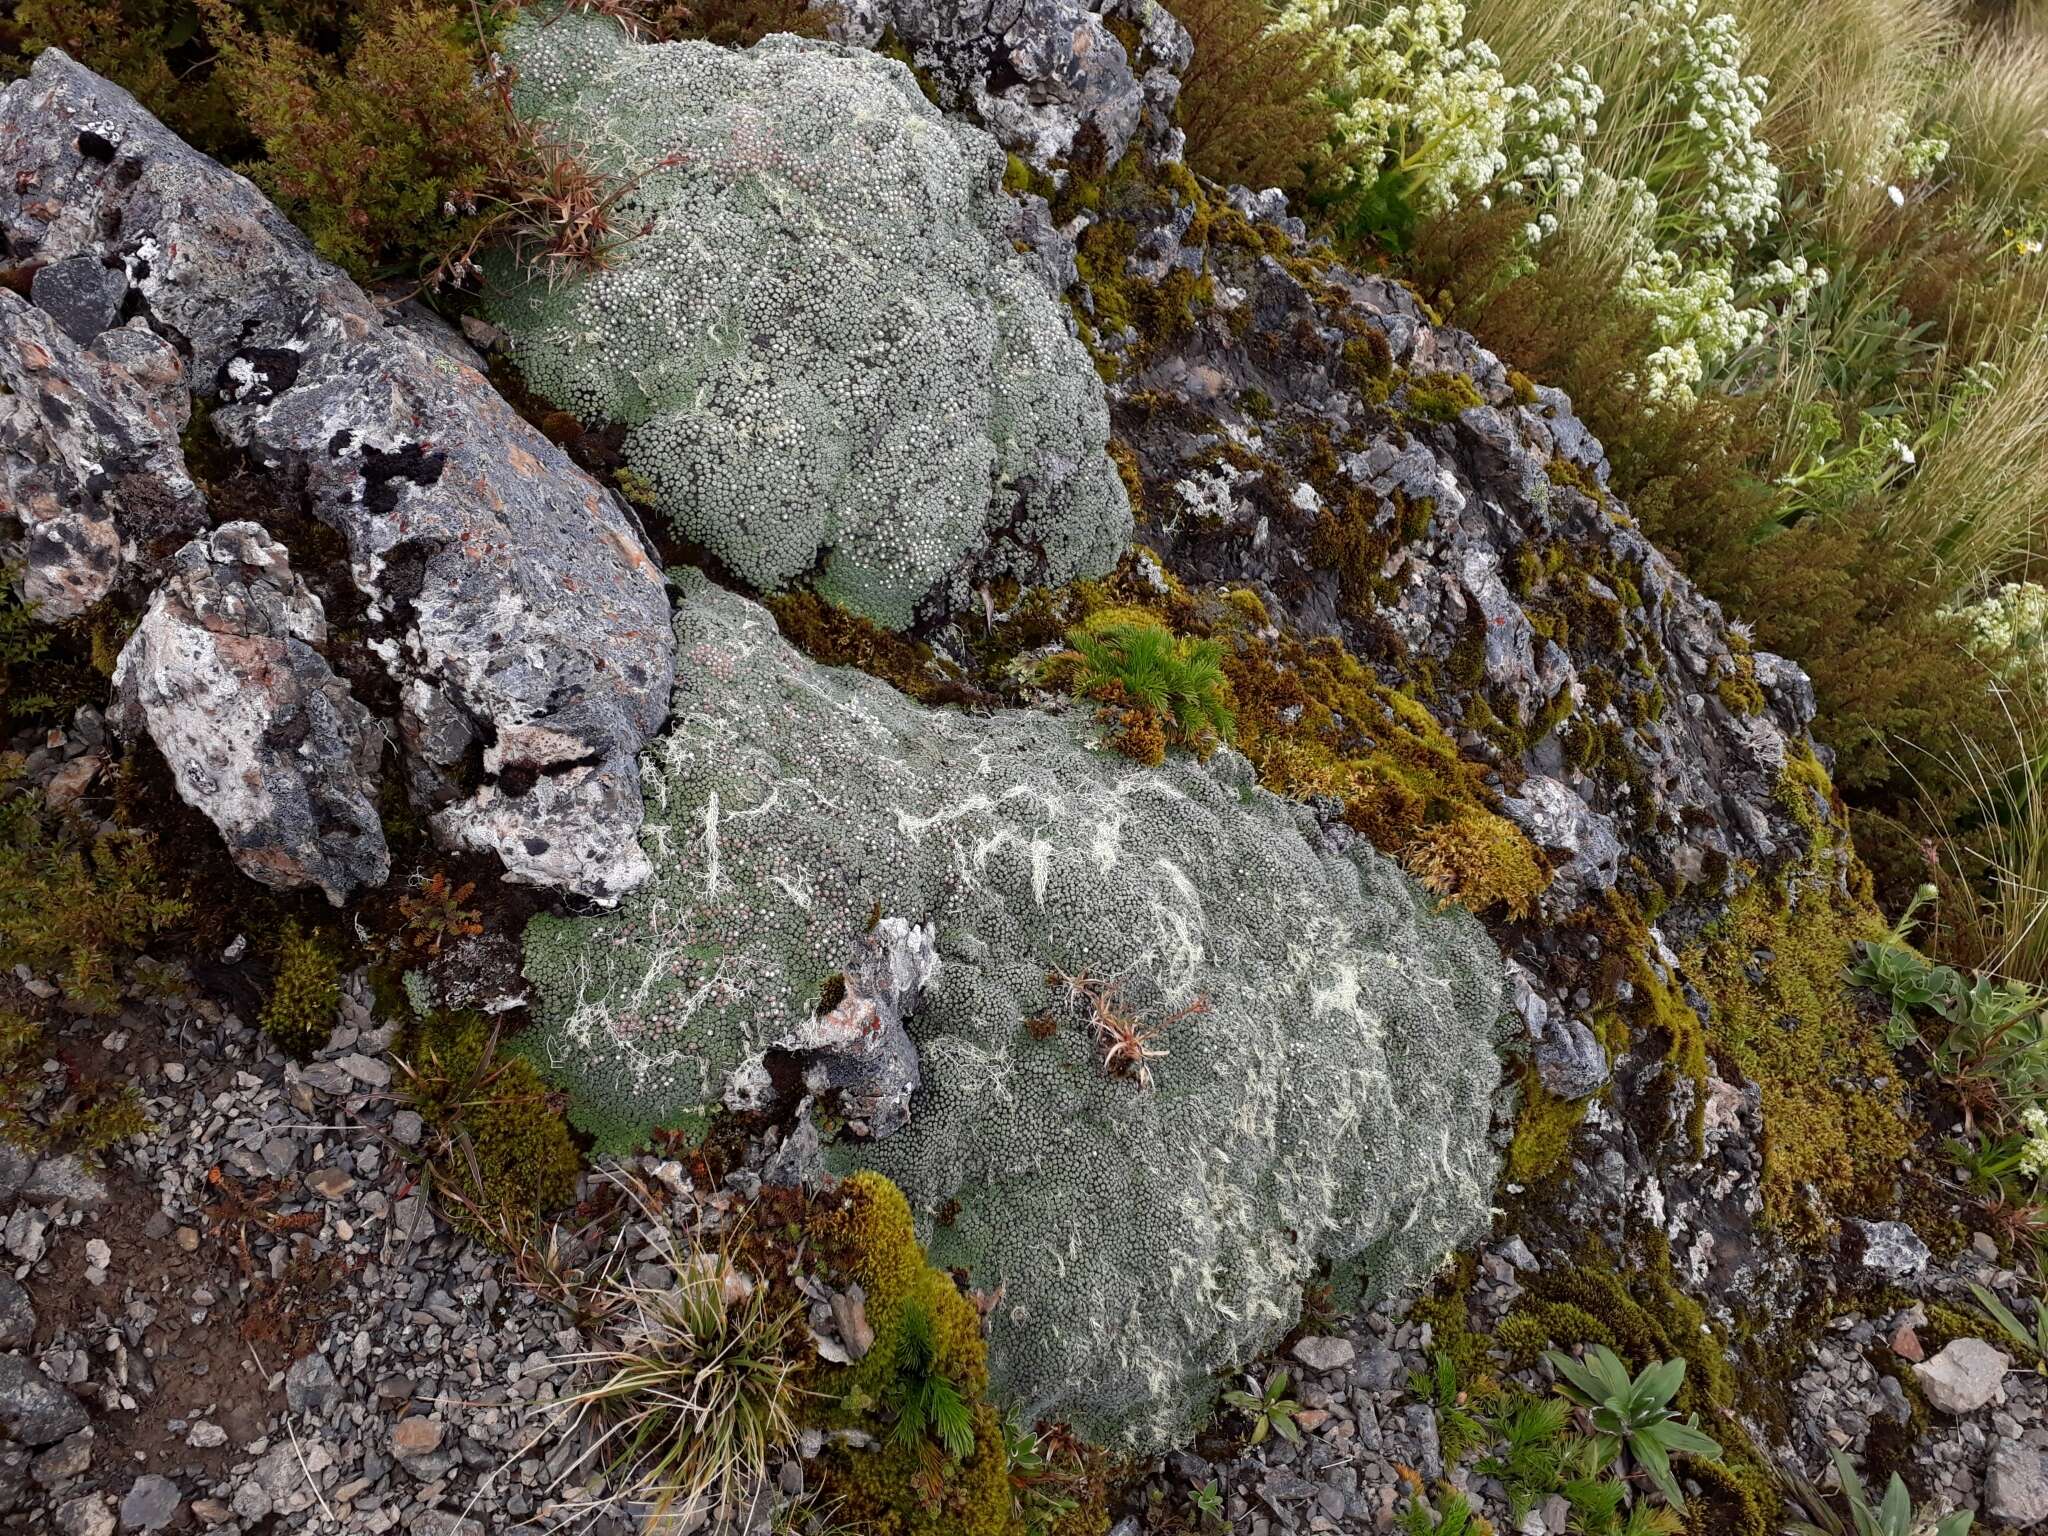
[90, 465]
[511, 598]
[226, 676]
[1051, 79]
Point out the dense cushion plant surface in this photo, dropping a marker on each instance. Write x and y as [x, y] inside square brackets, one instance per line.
[1327, 1099]
[829, 362]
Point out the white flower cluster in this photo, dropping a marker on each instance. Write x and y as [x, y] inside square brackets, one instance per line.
[2009, 629]
[1897, 154]
[1701, 314]
[1422, 102]
[2034, 1154]
[1714, 111]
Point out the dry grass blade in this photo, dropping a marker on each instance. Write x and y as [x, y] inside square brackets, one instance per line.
[692, 1385]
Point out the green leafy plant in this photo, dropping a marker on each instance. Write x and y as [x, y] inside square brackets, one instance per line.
[1269, 1408]
[1148, 668]
[2031, 1341]
[1634, 1415]
[1208, 1501]
[1894, 1516]
[927, 1404]
[435, 913]
[693, 1382]
[1600, 1505]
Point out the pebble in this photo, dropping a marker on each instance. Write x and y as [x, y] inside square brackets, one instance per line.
[150, 1504]
[1323, 1353]
[330, 1183]
[1965, 1376]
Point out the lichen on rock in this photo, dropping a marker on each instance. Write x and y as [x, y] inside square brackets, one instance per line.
[1329, 1033]
[828, 360]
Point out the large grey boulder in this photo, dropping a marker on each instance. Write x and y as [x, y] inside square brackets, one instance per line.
[511, 598]
[225, 674]
[90, 465]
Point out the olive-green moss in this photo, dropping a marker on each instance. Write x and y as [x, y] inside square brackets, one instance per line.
[1543, 1130]
[1738, 688]
[1834, 1131]
[499, 1144]
[306, 994]
[828, 633]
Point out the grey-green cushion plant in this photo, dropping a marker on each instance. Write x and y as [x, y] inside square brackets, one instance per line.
[1634, 1414]
[1895, 1516]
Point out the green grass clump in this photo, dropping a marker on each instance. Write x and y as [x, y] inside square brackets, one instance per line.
[1145, 670]
[92, 1118]
[499, 1150]
[305, 996]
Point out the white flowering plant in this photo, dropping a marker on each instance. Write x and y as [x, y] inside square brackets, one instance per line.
[1428, 119]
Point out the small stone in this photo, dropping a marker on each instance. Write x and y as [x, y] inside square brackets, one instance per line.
[1322, 1353]
[187, 1239]
[34, 1409]
[367, 1070]
[1985, 1245]
[17, 1315]
[87, 1515]
[150, 1505]
[1893, 1250]
[407, 1127]
[2016, 1484]
[1965, 1376]
[205, 1436]
[415, 1436]
[1906, 1343]
[97, 1257]
[309, 1386]
[212, 1511]
[329, 1183]
[330, 1077]
[63, 1461]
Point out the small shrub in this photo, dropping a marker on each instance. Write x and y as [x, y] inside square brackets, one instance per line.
[305, 996]
[376, 155]
[694, 1384]
[93, 1117]
[75, 900]
[1254, 104]
[501, 1153]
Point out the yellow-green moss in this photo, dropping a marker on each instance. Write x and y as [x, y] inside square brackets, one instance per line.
[500, 1147]
[907, 1490]
[1441, 397]
[1483, 860]
[827, 633]
[306, 994]
[1543, 1130]
[1738, 688]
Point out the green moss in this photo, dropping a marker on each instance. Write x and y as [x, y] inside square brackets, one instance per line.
[1543, 1131]
[1772, 970]
[1441, 397]
[828, 633]
[88, 1117]
[1738, 688]
[897, 1489]
[499, 1148]
[75, 899]
[1565, 472]
[1523, 386]
[306, 993]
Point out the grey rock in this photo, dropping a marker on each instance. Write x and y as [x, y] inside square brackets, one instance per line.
[511, 598]
[2016, 1484]
[310, 1385]
[65, 1177]
[859, 1048]
[34, 1409]
[1966, 1375]
[83, 295]
[150, 1504]
[62, 1461]
[226, 676]
[87, 1515]
[15, 1167]
[90, 464]
[1570, 1059]
[1558, 819]
[407, 1127]
[1322, 1352]
[1893, 1249]
[17, 1314]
